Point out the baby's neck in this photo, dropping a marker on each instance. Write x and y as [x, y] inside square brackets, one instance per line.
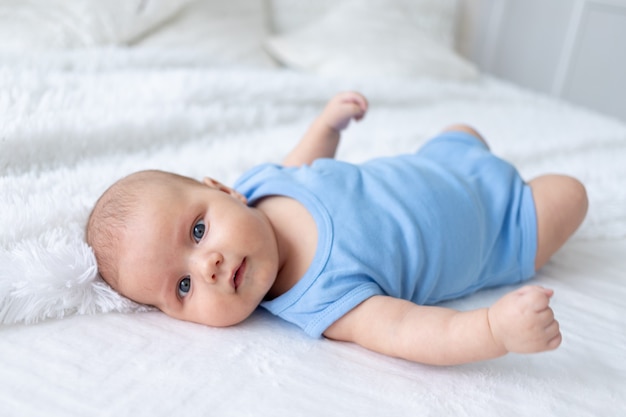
[296, 237]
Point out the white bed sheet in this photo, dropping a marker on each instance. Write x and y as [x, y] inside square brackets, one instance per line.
[71, 125]
[147, 364]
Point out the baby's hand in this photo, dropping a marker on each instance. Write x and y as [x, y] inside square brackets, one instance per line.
[342, 108]
[523, 322]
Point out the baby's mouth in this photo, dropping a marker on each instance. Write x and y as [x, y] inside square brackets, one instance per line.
[238, 275]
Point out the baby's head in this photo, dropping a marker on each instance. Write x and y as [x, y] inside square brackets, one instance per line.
[193, 249]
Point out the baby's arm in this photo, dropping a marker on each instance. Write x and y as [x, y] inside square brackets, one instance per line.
[521, 321]
[322, 137]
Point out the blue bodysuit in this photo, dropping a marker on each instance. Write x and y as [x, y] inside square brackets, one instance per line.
[431, 226]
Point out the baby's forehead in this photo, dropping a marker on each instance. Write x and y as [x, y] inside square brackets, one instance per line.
[152, 185]
[155, 178]
[153, 198]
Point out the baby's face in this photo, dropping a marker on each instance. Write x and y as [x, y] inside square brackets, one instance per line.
[198, 253]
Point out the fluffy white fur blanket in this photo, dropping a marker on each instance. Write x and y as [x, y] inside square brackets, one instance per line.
[73, 123]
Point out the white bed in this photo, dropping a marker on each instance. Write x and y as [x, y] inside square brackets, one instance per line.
[197, 94]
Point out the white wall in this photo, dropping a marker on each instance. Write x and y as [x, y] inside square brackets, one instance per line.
[573, 49]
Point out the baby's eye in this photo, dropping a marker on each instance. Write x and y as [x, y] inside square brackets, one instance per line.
[184, 286]
[198, 230]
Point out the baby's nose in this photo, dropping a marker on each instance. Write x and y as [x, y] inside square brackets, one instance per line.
[209, 266]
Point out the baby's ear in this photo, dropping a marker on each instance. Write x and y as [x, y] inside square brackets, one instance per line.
[212, 183]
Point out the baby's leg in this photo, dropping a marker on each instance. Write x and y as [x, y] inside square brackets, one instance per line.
[561, 205]
[466, 129]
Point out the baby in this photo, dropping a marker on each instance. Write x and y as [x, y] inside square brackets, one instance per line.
[359, 253]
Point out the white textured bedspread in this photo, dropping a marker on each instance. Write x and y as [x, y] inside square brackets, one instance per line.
[71, 124]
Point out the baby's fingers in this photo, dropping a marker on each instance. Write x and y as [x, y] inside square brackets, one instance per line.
[536, 297]
[547, 331]
[553, 334]
[357, 102]
[536, 289]
[361, 102]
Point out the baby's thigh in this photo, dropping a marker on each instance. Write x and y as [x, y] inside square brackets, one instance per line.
[561, 206]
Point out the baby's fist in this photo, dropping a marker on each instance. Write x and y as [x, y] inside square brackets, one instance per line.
[344, 107]
[523, 322]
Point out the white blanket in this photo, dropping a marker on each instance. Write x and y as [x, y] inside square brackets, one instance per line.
[73, 123]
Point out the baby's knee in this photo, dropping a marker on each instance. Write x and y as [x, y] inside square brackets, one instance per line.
[459, 127]
[560, 206]
[577, 194]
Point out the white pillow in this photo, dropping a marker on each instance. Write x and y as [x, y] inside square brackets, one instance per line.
[289, 15]
[220, 32]
[435, 18]
[70, 24]
[369, 38]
